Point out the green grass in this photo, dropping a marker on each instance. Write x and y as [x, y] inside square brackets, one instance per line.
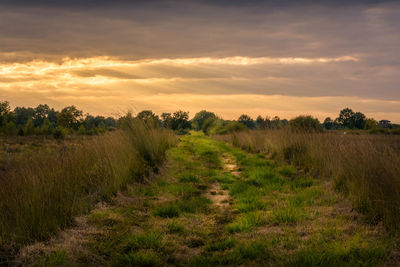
[277, 216]
[169, 210]
[140, 258]
[175, 228]
[188, 178]
[246, 222]
[55, 258]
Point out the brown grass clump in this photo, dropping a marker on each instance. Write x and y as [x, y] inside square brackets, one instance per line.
[364, 167]
[42, 193]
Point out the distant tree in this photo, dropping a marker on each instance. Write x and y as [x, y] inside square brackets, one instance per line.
[166, 120]
[371, 124]
[329, 124]
[247, 121]
[148, 117]
[40, 114]
[52, 116]
[110, 122]
[358, 120]
[207, 125]
[22, 115]
[345, 118]
[29, 128]
[69, 117]
[10, 129]
[5, 113]
[45, 129]
[276, 123]
[305, 123]
[201, 117]
[350, 119]
[180, 120]
[260, 122]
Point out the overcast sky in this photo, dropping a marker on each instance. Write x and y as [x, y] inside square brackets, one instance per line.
[282, 58]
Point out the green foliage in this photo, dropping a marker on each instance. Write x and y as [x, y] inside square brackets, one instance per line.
[371, 124]
[59, 133]
[69, 117]
[180, 120]
[200, 117]
[350, 119]
[29, 128]
[247, 121]
[305, 123]
[148, 117]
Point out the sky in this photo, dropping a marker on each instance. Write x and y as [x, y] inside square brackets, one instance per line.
[283, 58]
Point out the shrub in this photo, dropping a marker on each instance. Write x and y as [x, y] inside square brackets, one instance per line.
[305, 123]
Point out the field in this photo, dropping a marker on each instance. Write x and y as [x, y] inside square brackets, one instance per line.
[216, 204]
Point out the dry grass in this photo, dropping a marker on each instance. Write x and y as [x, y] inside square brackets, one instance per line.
[41, 192]
[364, 167]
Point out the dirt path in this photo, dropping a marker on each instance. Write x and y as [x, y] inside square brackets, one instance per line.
[218, 205]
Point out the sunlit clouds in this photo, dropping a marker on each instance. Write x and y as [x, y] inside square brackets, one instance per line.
[229, 57]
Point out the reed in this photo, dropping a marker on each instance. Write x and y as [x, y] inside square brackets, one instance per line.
[42, 192]
[363, 167]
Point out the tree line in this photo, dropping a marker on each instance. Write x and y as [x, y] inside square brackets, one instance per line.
[43, 120]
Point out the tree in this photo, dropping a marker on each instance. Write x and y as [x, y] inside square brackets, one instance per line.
[345, 118]
[350, 119]
[358, 120]
[29, 128]
[247, 120]
[10, 129]
[52, 116]
[200, 117]
[5, 113]
[261, 122]
[371, 124]
[40, 114]
[148, 117]
[180, 120]
[276, 123]
[22, 115]
[69, 117]
[305, 123]
[329, 124]
[45, 129]
[166, 120]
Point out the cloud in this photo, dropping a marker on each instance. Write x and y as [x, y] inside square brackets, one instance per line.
[100, 54]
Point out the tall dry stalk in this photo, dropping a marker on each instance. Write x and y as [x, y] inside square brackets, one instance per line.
[42, 193]
[364, 167]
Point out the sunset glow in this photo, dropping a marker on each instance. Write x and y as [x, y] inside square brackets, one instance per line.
[107, 60]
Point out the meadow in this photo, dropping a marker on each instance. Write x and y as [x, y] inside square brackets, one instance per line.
[363, 167]
[47, 182]
[142, 195]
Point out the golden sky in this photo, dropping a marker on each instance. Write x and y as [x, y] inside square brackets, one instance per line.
[230, 59]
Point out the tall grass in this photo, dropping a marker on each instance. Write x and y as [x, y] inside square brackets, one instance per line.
[366, 168]
[42, 193]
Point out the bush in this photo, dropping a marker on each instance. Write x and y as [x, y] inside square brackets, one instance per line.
[59, 133]
[306, 124]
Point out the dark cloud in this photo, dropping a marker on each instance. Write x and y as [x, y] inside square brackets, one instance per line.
[133, 30]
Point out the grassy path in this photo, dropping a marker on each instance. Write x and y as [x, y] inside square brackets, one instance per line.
[218, 205]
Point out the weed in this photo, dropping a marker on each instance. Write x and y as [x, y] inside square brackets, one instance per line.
[170, 210]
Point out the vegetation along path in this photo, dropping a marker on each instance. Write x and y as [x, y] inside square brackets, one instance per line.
[212, 205]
